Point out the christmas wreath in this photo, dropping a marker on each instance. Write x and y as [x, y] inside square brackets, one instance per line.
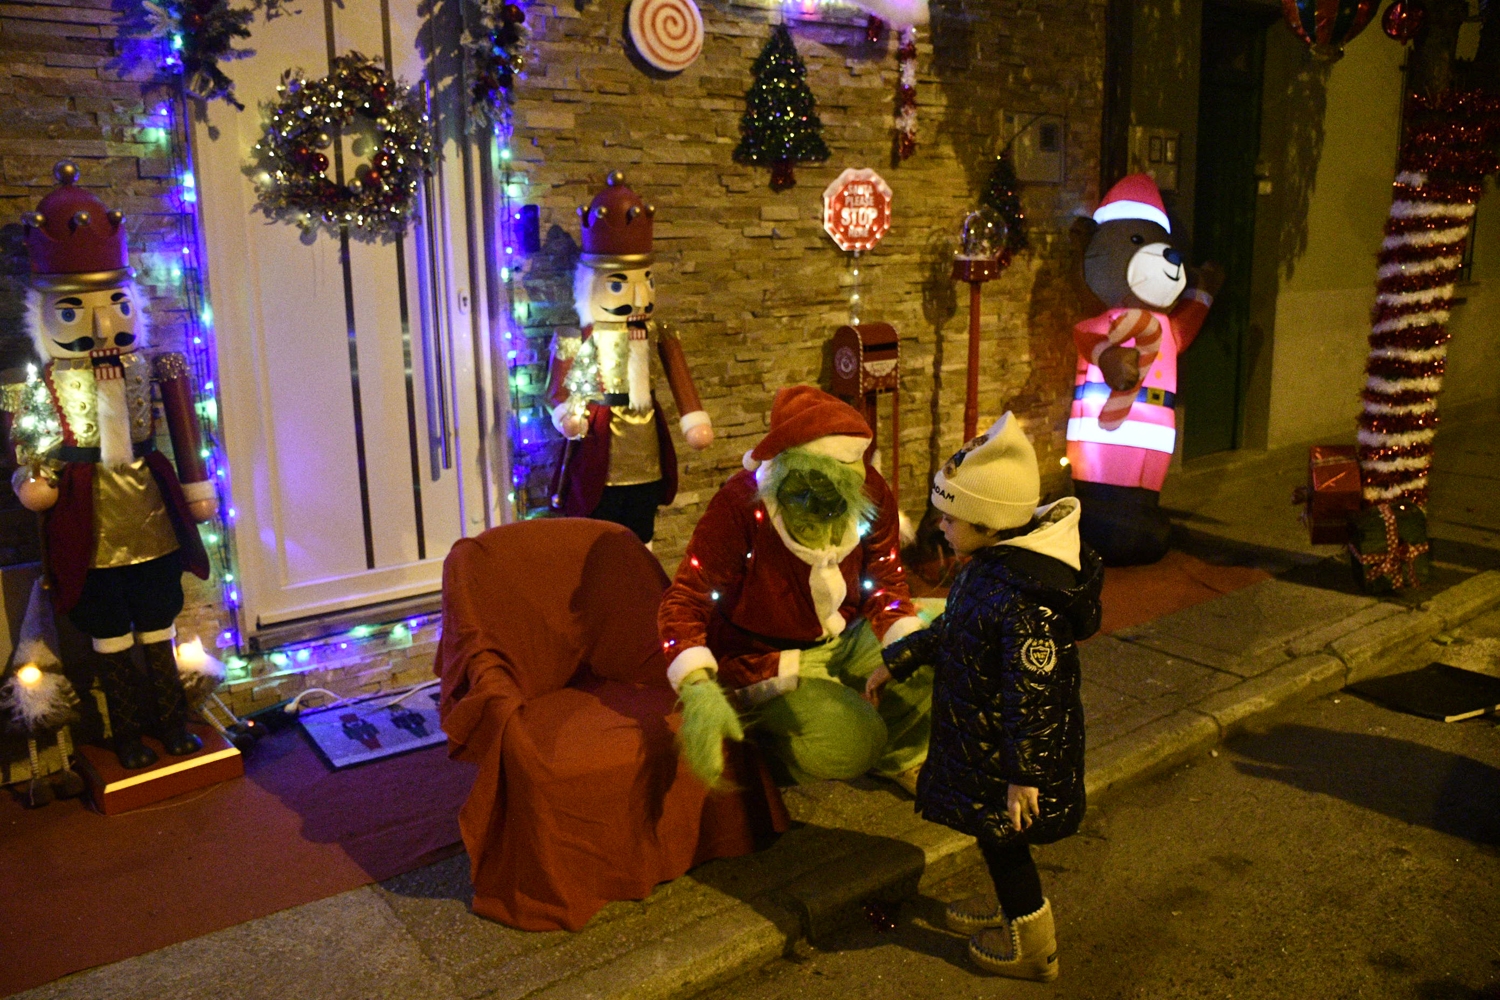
[308, 117]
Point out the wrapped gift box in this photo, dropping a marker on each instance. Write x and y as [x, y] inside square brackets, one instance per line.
[1333, 493]
[1390, 548]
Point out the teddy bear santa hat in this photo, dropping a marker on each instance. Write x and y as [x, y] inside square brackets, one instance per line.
[1134, 197]
[809, 418]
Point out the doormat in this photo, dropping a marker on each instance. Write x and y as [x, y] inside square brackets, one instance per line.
[357, 732]
[1437, 691]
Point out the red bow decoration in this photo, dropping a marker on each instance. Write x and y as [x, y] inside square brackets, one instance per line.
[1398, 561]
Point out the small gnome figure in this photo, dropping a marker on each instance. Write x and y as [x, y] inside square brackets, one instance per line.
[119, 523]
[1122, 429]
[619, 464]
[39, 701]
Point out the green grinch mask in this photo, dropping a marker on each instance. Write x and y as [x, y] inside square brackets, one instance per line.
[819, 498]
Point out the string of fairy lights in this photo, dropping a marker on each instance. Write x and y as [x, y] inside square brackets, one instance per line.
[180, 267]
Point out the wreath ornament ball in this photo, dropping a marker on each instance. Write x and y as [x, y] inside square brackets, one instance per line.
[308, 117]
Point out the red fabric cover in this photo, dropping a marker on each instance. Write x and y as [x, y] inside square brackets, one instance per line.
[553, 683]
[803, 413]
[764, 589]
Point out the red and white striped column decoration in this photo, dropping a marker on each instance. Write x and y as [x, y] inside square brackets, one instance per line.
[1440, 181]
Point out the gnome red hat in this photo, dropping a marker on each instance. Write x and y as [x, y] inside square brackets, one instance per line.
[803, 416]
[1134, 197]
[617, 226]
[76, 241]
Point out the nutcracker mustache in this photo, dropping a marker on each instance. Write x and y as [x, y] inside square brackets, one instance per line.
[627, 309]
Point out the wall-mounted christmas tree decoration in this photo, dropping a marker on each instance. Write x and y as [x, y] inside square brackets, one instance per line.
[1002, 199]
[781, 127]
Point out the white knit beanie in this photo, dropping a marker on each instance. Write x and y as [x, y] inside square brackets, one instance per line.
[992, 480]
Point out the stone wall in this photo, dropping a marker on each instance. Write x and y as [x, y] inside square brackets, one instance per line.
[745, 274]
[748, 277]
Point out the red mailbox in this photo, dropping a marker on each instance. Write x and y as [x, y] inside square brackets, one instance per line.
[867, 361]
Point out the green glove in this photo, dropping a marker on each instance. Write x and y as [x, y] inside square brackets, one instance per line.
[707, 721]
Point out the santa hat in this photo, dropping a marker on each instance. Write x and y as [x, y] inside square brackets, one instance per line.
[1134, 197]
[806, 417]
[991, 481]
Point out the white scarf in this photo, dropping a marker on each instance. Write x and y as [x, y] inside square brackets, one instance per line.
[113, 409]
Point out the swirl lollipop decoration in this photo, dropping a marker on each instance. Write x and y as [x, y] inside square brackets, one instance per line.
[668, 34]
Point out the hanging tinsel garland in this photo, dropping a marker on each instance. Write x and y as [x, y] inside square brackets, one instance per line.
[496, 59]
[780, 127]
[309, 116]
[1448, 152]
[906, 94]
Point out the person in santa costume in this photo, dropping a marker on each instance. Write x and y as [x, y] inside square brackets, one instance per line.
[1122, 429]
[119, 522]
[619, 464]
[789, 588]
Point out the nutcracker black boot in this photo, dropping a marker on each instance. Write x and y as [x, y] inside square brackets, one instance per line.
[122, 691]
[171, 702]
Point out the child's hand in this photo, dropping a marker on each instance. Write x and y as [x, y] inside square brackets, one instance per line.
[1022, 805]
[877, 682]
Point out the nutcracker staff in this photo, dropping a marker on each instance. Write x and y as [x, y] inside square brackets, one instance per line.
[619, 464]
[119, 522]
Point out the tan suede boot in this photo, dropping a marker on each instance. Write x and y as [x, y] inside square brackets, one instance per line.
[975, 914]
[1026, 948]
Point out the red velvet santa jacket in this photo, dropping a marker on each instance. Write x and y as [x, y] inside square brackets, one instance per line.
[742, 600]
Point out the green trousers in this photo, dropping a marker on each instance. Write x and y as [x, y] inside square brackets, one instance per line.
[825, 729]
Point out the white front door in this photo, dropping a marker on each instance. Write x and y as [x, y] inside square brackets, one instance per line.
[353, 377]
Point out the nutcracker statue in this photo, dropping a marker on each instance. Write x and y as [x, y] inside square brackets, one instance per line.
[618, 464]
[119, 523]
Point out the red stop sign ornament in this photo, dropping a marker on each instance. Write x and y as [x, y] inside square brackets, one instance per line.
[857, 209]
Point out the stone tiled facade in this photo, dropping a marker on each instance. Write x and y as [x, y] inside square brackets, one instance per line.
[748, 277]
[745, 274]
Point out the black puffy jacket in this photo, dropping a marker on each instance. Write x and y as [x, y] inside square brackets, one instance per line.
[1005, 697]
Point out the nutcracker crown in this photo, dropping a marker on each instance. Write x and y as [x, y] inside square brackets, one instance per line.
[76, 241]
[616, 226]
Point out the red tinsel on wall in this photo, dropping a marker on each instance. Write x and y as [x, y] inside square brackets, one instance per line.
[906, 94]
[1440, 179]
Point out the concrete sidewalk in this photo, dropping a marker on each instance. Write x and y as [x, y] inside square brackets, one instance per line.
[1154, 694]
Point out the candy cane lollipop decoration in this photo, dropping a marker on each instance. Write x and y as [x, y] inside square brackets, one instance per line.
[668, 34]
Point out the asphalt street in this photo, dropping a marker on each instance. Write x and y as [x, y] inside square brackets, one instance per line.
[1345, 851]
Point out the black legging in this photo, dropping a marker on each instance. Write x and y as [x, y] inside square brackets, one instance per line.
[1018, 885]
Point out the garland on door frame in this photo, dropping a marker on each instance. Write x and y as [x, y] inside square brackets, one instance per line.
[198, 35]
[379, 201]
[496, 60]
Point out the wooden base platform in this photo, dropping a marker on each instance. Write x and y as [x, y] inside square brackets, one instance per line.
[115, 790]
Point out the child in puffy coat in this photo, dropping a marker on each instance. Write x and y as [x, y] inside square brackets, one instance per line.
[1005, 763]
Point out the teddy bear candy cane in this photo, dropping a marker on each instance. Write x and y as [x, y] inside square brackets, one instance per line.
[620, 464]
[1122, 429]
[120, 522]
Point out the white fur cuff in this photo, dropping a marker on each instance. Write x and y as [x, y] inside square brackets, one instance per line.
[193, 492]
[901, 628]
[691, 659]
[698, 418]
[1199, 295]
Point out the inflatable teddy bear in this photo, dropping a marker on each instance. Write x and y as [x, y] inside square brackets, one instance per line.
[1122, 429]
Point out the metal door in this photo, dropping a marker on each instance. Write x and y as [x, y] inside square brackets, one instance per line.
[353, 376]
